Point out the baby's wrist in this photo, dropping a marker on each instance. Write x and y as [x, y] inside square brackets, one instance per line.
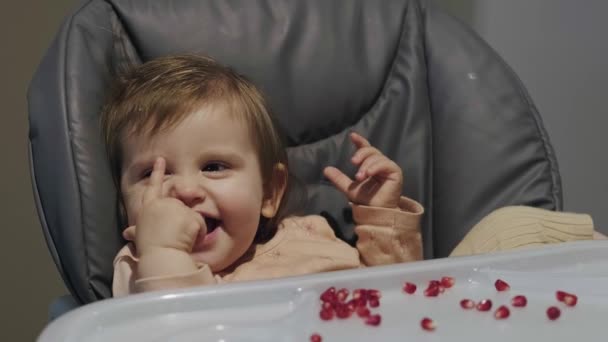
[162, 261]
[159, 250]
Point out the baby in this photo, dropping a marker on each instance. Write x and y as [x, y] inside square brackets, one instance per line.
[203, 177]
[204, 182]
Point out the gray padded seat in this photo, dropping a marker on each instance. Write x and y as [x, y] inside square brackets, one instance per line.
[422, 87]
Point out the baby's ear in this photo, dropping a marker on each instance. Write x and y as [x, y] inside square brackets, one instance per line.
[274, 191]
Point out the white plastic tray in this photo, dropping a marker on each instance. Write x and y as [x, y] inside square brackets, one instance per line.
[288, 309]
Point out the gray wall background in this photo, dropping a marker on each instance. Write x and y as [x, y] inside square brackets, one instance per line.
[554, 46]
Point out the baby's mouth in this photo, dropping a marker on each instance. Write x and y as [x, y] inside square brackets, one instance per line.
[211, 224]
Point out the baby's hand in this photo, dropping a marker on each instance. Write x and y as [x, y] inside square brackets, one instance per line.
[378, 181]
[164, 222]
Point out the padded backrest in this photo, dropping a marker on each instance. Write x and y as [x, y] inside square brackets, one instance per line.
[422, 87]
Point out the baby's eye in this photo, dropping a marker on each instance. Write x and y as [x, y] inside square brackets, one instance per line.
[146, 173]
[214, 167]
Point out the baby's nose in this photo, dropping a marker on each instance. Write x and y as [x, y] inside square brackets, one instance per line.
[187, 190]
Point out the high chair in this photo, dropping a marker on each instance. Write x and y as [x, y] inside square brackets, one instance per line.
[421, 86]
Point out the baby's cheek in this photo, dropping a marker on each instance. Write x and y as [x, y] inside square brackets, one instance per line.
[244, 207]
[132, 208]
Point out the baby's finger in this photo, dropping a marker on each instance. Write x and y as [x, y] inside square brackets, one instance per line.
[338, 178]
[363, 153]
[363, 171]
[154, 189]
[386, 168]
[359, 140]
[129, 233]
[200, 227]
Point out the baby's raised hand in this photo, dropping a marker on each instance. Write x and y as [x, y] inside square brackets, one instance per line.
[378, 181]
[164, 222]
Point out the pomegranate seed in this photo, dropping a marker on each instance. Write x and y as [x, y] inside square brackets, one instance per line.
[352, 304]
[329, 295]
[434, 283]
[484, 305]
[431, 291]
[409, 288]
[501, 285]
[326, 315]
[467, 304]
[570, 299]
[373, 320]
[363, 312]
[315, 338]
[427, 324]
[360, 302]
[374, 302]
[359, 293]
[327, 306]
[447, 282]
[341, 295]
[560, 295]
[553, 313]
[502, 312]
[372, 293]
[519, 301]
[342, 311]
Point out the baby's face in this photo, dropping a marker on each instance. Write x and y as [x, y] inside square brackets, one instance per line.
[213, 168]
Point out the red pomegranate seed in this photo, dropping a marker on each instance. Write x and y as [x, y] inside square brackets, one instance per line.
[570, 299]
[484, 305]
[447, 282]
[409, 288]
[342, 311]
[560, 295]
[327, 306]
[374, 302]
[519, 301]
[352, 304]
[372, 293]
[341, 295]
[329, 295]
[467, 304]
[326, 315]
[360, 302]
[553, 313]
[373, 320]
[315, 338]
[432, 291]
[427, 324]
[434, 283]
[501, 285]
[359, 293]
[502, 312]
[363, 312]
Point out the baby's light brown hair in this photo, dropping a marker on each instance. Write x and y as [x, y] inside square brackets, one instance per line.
[159, 94]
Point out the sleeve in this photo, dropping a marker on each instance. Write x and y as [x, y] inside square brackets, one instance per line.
[125, 280]
[389, 236]
[521, 226]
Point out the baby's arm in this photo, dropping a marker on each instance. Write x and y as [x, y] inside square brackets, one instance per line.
[125, 280]
[389, 236]
[388, 225]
